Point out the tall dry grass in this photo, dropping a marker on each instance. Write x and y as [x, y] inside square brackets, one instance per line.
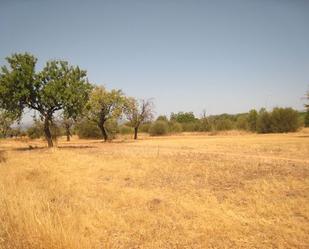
[227, 191]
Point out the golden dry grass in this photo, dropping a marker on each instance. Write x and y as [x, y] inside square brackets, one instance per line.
[189, 191]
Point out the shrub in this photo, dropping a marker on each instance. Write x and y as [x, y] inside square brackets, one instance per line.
[223, 124]
[56, 131]
[252, 120]
[36, 130]
[306, 121]
[175, 127]
[263, 123]
[242, 123]
[87, 129]
[145, 127]
[205, 125]
[112, 128]
[124, 129]
[190, 126]
[158, 128]
[284, 120]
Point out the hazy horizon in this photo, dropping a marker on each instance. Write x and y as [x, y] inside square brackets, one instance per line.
[221, 56]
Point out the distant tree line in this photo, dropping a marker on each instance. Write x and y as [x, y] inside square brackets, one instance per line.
[279, 120]
[66, 104]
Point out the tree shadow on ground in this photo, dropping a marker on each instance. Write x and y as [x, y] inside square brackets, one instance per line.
[30, 147]
[76, 147]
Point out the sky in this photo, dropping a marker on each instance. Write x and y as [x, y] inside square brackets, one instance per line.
[222, 56]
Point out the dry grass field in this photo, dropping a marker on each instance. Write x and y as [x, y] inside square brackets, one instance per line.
[188, 191]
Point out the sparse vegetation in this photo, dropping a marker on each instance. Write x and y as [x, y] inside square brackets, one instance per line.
[158, 128]
[193, 190]
[235, 191]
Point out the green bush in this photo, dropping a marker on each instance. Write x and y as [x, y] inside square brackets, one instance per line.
[124, 129]
[263, 123]
[174, 127]
[112, 128]
[158, 128]
[284, 120]
[252, 120]
[223, 124]
[145, 127]
[242, 123]
[205, 125]
[191, 126]
[279, 120]
[87, 129]
[306, 121]
[36, 130]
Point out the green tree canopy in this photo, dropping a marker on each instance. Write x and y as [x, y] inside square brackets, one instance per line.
[183, 117]
[58, 87]
[104, 105]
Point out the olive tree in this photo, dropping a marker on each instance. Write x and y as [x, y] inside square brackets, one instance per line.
[58, 87]
[104, 105]
[138, 112]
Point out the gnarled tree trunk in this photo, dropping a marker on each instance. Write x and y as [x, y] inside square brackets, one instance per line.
[103, 131]
[68, 132]
[47, 132]
[135, 132]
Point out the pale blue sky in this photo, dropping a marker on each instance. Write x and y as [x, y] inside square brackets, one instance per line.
[189, 55]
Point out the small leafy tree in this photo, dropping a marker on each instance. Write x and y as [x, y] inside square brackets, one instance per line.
[58, 87]
[284, 120]
[263, 124]
[252, 120]
[104, 105]
[138, 112]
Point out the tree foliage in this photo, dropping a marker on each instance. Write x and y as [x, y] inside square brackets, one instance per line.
[138, 112]
[252, 120]
[284, 120]
[58, 87]
[158, 128]
[104, 105]
[183, 117]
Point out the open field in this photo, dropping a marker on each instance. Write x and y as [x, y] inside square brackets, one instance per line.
[189, 191]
